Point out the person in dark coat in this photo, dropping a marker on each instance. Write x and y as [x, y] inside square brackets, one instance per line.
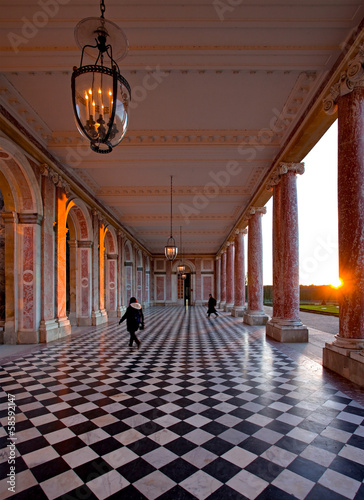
[211, 306]
[134, 320]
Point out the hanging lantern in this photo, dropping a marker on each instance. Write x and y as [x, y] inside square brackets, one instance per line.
[181, 268]
[100, 94]
[170, 250]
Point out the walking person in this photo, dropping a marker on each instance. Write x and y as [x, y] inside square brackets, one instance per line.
[211, 306]
[134, 320]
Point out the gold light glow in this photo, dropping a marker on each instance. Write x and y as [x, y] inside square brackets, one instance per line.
[338, 283]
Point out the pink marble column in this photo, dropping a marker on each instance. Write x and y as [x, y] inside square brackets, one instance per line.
[144, 277]
[12, 309]
[151, 282]
[84, 291]
[98, 312]
[111, 284]
[239, 274]
[73, 280]
[285, 325]
[223, 280]
[198, 282]
[346, 354]
[255, 315]
[169, 281]
[48, 323]
[351, 215]
[230, 277]
[277, 251]
[218, 280]
[120, 278]
[63, 321]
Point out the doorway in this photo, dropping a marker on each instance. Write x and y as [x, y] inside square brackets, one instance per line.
[187, 289]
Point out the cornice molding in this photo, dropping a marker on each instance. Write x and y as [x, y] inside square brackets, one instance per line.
[134, 191]
[146, 217]
[12, 100]
[172, 137]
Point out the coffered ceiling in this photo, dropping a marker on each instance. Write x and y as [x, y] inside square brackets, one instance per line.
[221, 91]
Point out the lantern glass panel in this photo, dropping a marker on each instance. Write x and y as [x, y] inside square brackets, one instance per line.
[101, 104]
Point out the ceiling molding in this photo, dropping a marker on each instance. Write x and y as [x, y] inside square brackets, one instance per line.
[133, 191]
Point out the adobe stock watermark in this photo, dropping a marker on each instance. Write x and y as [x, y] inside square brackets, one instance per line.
[277, 124]
[48, 9]
[324, 249]
[210, 190]
[223, 6]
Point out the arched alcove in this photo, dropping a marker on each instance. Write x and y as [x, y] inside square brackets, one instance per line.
[78, 263]
[22, 215]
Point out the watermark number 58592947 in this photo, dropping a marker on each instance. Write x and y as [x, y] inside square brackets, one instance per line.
[11, 445]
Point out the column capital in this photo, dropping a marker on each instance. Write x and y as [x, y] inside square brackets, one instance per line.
[218, 257]
[257, 210]
[45, 169]
[241, 231]
[282, 169]
[55, 177]
[350, 79]
[285, 167]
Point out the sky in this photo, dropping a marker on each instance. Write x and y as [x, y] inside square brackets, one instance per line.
[317, 217]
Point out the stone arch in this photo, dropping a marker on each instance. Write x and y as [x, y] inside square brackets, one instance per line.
[79, 263]
[187, 263]
[22, 216]
[81, 217]
[18, 182]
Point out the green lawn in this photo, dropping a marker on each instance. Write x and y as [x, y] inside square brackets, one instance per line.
[329, 308]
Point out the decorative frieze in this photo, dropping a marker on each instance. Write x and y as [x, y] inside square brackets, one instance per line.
[351, 78]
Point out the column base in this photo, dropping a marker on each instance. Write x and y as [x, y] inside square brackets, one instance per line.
[222, 304]
[345, 361]
[9, 334]
[53, 329]
[255, 317]
[28, 337]
[294, 332]
[228, 307]
[72, 316]
[99, 317]
[84, 321]
[238, 311]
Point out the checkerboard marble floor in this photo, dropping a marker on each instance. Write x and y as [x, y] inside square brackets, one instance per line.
[205, 409]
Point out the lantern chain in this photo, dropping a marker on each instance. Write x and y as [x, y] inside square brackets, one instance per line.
[171, 204]
[102, 8]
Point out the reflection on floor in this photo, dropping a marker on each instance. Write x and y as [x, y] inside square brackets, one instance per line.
[205, 409]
